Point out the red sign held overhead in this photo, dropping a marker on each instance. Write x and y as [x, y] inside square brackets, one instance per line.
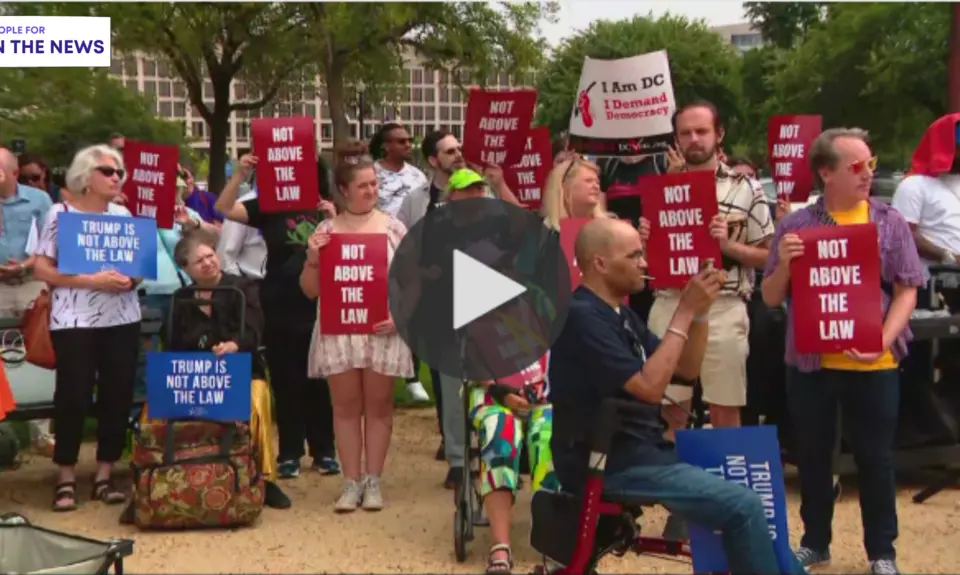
[151, 185]
[496, 126]
[353, 284]
[528, 177]
[286, 151]
[680, 207]
[835, 288]
[788, 140]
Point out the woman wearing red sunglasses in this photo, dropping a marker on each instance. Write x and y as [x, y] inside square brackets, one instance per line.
[865, 386]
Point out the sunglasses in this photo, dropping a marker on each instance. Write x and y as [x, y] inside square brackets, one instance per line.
[869, 165]
[110, 171]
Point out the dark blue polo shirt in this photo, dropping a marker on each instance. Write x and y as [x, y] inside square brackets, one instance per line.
[598, 351]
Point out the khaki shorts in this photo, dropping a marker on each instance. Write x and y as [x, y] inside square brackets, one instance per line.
[723, 374]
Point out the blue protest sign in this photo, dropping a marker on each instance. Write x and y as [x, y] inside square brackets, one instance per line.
[749, 456]
[198, 385]
[91, 243]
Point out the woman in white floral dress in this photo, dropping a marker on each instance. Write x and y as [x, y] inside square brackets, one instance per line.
[360, 368]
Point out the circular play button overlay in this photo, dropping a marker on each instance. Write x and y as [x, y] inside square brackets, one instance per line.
[479, 289]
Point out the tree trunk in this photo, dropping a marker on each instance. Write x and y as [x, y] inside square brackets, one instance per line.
[219, 134]
[953, 61]
[336, 99]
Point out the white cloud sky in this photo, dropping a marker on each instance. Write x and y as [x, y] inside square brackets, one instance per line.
[576, 15]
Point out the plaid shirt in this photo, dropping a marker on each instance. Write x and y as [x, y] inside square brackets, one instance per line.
[899, 264]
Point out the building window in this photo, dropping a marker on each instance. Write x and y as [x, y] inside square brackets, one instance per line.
[116, 66]
[444, 113]
[310, 110]
[208, 90]
[179, 89]
[163, 69]
[428, 77]
[326, 132]
[196, 129]
[417, 95]
[444, 77]
[405, 112]
[130, 66]
[429, 95]
[406, 76]
[418, 75]
[369, 130]
[419, 130]
[444, 94]
[455, 112]
[240, 91]
[429, 113]
[166, 109]
[455, 95]
[180, 109]
[457, 131]
[149, 68]
[243, 130]
[504, 79]
[150, 87]
[418, 113]
[164, 89]
[132, 86]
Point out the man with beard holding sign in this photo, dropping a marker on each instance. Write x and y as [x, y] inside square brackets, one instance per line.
[743, 229]
[866, 386]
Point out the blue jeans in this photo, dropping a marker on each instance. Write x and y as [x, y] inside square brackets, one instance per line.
[868, 403]
[699, 497]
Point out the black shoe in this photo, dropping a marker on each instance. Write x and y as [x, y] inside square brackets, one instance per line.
[454, 478]
[274, 497]
[441, 453]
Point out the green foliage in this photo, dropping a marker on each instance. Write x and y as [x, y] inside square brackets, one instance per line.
[784, 24]
[879, 66]
[59, 111]
[701, 65]
[358, 40]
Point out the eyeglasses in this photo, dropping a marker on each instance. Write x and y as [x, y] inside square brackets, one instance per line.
[859, 167]
[110, 171]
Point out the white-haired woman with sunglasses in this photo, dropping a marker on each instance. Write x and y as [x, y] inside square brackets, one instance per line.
[95, 330]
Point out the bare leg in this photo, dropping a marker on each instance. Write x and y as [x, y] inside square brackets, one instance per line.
[724, 416]
[346, 393]
[378, 419]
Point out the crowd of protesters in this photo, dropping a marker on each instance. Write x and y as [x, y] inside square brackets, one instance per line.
[333, 394]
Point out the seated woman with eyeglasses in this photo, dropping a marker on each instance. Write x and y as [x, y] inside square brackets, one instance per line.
[217, 328]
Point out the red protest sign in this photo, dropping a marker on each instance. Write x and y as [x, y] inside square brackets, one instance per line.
[151, 186]
[569, 228]
[496, 126]
[286, 151]
[680, 207]
[353, 284]
[529, 176]
[835, 288]
[788, 139]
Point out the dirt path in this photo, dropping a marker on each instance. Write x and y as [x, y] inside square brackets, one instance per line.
[414, 534]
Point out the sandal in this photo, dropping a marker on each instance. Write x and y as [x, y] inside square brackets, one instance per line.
[63, 492]
[105, 491]
[500, 566]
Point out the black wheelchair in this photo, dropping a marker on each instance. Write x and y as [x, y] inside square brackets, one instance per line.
[576, 531]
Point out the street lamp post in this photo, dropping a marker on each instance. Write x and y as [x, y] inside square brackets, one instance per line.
[361, 88]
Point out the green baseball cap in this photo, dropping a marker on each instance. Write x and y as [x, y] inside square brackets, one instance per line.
[463, 179]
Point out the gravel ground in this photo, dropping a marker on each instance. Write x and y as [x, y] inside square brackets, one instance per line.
[414, 533]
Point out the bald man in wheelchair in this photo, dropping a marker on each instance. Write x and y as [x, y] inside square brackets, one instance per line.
[605, 351]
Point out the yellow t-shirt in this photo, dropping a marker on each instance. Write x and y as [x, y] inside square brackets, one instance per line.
[858, 215]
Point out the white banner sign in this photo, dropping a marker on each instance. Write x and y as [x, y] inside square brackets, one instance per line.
[623, 107]
[54, 42]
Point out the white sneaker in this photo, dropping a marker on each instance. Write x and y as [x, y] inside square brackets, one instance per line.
[417, 392]
[350, 495]
[372, 497]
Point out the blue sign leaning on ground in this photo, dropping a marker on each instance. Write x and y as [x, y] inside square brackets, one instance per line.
[749, 456]
[91, 243]
[198, 385]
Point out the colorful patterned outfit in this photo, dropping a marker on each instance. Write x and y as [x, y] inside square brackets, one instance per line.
[501, 435]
